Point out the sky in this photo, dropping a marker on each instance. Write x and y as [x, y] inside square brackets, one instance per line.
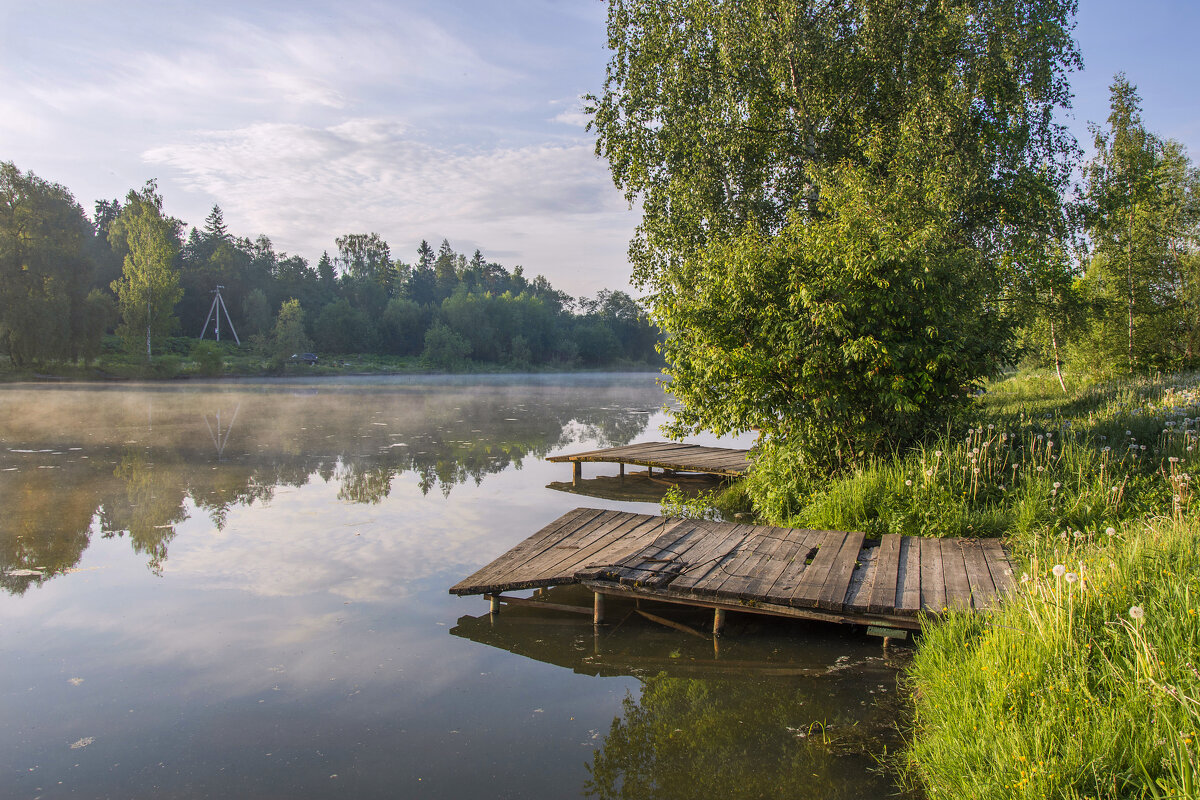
[416, 120]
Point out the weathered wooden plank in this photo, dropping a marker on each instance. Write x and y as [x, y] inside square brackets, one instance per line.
[933, 580]
[707, 570]
[743, 565]
[549, 536]
[958, 585]
[999, 565]
[789, 579]
[668, 455]
[623, 541]
[601, 534]
[657, 563]
[788, 543]
[812, 580]
[908, 579]
[754, 568]
[833, 593]
[982, 588]
[887, 570]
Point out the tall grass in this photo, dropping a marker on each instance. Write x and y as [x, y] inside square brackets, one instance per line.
[1029, 464]
[1085, 684]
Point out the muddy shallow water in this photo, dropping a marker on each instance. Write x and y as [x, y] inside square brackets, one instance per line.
[239, 589]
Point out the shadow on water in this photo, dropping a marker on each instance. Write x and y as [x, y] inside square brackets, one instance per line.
[134, 462]
[774, 708]
[638, 487]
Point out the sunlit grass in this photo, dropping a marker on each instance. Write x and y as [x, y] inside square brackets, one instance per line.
[1032, 463]
[1085, 684]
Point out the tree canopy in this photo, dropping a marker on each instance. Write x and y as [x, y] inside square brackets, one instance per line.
[829, 191]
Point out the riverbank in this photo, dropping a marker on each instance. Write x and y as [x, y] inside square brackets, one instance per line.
[183, 360]
[1087, 683]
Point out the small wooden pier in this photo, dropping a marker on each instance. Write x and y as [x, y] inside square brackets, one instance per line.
[670, 456]
[834, 576]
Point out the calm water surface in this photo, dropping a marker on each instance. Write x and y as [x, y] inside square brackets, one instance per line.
[239, 590]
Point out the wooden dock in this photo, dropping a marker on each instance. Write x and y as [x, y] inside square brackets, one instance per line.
[673, 456]
[835, 576]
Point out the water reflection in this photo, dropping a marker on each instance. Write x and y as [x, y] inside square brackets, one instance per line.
[779, 709]
[136, 462]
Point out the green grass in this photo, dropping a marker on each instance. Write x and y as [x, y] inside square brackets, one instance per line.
[1061, 692]
[1031, 463]
[1085, 684]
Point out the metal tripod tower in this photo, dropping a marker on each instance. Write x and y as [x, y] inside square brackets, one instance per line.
[218, 305]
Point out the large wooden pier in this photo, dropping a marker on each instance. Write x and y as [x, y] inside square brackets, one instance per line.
[835, 576]
[672, 456]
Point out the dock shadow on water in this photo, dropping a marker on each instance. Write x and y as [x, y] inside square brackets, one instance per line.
[773, 708]
[239, 589]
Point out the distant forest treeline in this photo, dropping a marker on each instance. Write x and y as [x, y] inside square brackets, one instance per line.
[67, 279]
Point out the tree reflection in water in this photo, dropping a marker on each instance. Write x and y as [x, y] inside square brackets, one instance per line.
[781, 708]
[131, 461]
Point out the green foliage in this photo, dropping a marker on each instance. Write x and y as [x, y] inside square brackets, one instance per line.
[209, 358]
[46, 265]
[1143, 199]
[444, 348]
[1035, 464]
[829, 195]
[1083, 686]
[149, 285]
[289, 337]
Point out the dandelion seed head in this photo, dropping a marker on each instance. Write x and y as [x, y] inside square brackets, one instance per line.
[1071, 577]
[1059, 570]
[1111, 531]
[1137, 612]
[1078, 534]
[908, 482]
[1057, 485]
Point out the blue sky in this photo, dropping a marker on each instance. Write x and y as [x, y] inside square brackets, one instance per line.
[308, 120]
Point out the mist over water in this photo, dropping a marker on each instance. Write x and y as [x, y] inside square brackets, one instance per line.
[239, 589]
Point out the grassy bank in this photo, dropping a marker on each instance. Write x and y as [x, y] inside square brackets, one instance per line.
[1087, 683]
[182, 358]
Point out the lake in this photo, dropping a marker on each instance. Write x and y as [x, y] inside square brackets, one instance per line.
[240, 589]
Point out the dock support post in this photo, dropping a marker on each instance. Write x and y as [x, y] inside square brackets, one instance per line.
[495, 606]
[598, 609]
[718, 621]
[577, 476]
[649, 471]
[622, 470]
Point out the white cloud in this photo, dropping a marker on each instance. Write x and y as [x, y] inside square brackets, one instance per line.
[305, 185]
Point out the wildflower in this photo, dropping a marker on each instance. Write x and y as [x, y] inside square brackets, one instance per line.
[1057, 485]
[991, 427]
[1071, 577]
[937, 453]
[1136, 612]
[928, 473]
[1129, 433]
[1143, 447]
[908, 483]
[1111, 531]
[1078, 534]
[1058, 570]
[1106, 449]
[1024, 577]
[1173, 460]
[1041, 468]
[977, 470]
